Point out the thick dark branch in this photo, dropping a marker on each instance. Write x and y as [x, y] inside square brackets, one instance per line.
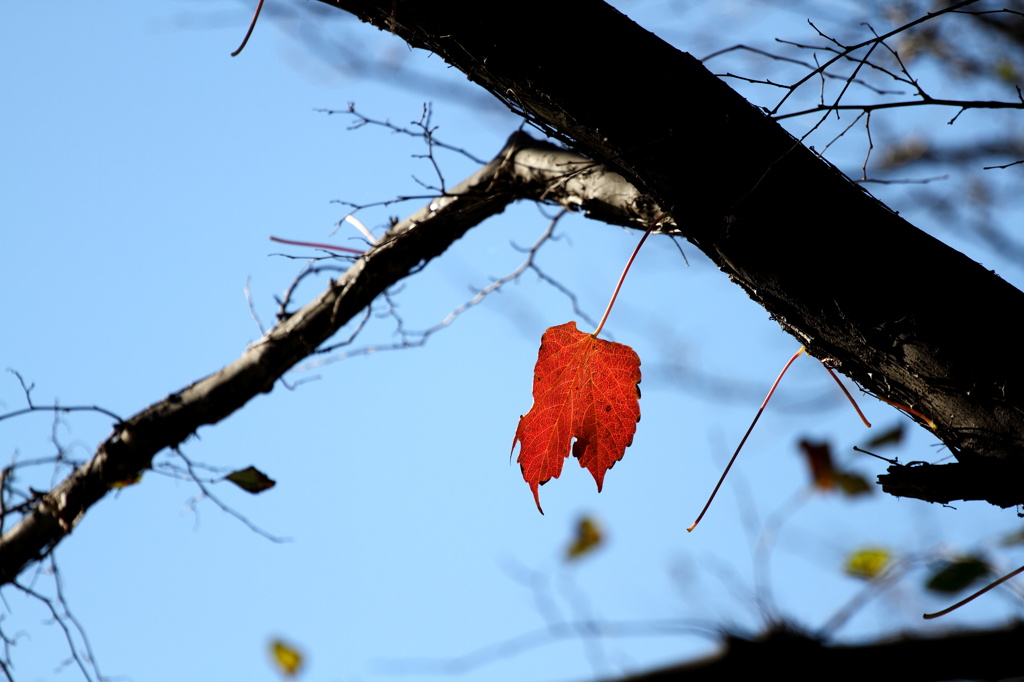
[524, 169]
[985, 655]
[902, 314]
[944, 483]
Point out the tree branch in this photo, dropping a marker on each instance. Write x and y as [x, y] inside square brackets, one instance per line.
[902, 314]
[957, 103]
[984, 655]
[525, 168]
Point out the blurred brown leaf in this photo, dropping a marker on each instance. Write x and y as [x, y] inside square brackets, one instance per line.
[819, 459]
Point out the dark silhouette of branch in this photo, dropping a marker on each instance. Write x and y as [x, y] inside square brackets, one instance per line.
[846, 51]
[780, 221]
[945, 483]
[959, 104]
[982, 655]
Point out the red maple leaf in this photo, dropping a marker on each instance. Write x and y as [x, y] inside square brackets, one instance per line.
[584, 388]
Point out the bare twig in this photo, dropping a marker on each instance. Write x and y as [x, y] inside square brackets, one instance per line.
[252, 25]
[846, 51]
[57, 409]
[963, 105]
[546, 636]
[252, 308]
[69, 625]
[224, 507]
[415, 339]
[420, 127]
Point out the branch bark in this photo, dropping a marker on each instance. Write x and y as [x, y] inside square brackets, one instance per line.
[525, 169]
[981, 655]
[902, 314]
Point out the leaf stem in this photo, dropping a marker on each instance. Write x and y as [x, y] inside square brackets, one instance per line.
[898, 406]
[745, 436]
[629, 263]
[248, 33]
[848, 396]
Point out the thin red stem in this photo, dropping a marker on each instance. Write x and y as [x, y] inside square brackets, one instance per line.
[900, 406]
[848, 396]
[629, 263]
[252, 25]
[745, 436]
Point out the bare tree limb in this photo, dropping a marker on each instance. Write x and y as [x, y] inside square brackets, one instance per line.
[525, 169]
[982, 655]
[905, 316]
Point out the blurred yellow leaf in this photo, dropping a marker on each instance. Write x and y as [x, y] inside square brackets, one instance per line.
[287, 659]
[1007, 71]
[868, 562]
[116, 485]
[251, 480]
[588, 537]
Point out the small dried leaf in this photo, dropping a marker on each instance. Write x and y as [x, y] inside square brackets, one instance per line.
[251, 480]
[893, 436]
[868, 562]
[958, 574]
[287, 659]
[588, 538]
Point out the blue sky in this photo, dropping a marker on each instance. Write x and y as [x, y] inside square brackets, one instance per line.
[143, 172]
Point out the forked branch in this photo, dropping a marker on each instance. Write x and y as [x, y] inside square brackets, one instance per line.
[525, 169]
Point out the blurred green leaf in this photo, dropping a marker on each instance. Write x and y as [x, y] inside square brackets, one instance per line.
[893, 436]
[1016, 538]
[853, 484]
[958, 574]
